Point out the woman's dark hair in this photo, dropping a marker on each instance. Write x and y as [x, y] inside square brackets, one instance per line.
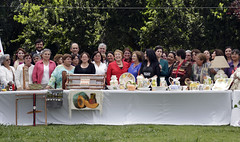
[74, 55]
[89, 59]
[181, 53]
[151, 55]
[236, 51]
[174, 54]
[110, 52]
[228, 47]
[95, 53]
[127, 49]
[219, 52]
[158, 47]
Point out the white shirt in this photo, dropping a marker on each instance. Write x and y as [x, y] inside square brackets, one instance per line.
[45, 78]
[6, 75]
[101, 69]
[19, 75]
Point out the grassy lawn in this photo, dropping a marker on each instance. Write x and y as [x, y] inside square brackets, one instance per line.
[135, 133]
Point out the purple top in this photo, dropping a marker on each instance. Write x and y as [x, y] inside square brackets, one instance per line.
[231, 70]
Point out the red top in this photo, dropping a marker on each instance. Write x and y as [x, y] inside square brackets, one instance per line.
[114, 69]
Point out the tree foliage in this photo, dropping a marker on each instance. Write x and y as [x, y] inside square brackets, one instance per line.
[137, 24]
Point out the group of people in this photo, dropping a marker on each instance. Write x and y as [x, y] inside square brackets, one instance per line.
[37, 68]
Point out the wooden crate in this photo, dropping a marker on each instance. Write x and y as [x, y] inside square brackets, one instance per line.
[83, 81]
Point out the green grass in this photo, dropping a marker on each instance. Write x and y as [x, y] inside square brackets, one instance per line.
[131, 133]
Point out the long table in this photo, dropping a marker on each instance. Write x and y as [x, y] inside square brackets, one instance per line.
[128, 107]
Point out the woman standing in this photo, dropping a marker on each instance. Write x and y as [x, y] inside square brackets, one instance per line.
[207, 53]
[85, 66]
[7, 71]
[127, 56]
[181, 68]
[228, 52]
[110, 57]
[58, 59]
[75, 60]
[234, 64]
[101, 68]
[201, 68]
[136, 65]
[43, 69]
[171, 60]
[56, 76]
[163, 64]
[150, 67]
[28, 70]
[19, 57]
[117, 67]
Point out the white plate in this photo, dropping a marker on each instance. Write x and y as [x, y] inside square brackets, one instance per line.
[125, 77]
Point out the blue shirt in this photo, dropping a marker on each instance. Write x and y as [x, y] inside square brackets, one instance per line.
[134, 70]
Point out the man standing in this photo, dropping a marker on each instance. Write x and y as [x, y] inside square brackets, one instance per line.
[102, 48]
[38, 46]
[74, 49]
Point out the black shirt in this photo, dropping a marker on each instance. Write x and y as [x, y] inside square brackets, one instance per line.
[89, 70]
[151, 70]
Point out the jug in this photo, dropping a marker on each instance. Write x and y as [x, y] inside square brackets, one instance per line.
[194, 85]
[114, 81]
[163, 82]
[154, 81]
[207, 80]
[140, 81]
[175, 81]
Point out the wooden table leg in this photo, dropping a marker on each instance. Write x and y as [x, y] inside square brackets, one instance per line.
[16, 109]
[34, 109]
[45, 110]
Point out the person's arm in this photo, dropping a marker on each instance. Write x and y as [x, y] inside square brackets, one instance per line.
[93, 69]
[141, 69]
[76, 70]
[164, 70]
[109, 73]
[3, 76]
[34, 74]
[158, 73]
[18, 77]
[52, 80]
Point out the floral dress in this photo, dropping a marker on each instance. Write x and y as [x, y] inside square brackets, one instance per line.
[56, 76]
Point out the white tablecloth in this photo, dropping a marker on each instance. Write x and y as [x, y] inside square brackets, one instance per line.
[235, 118]
[129, 107]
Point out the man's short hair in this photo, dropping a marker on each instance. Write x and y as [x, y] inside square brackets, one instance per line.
[102, 44]
[39, 41]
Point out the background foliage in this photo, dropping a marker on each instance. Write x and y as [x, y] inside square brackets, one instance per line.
[137, 24]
